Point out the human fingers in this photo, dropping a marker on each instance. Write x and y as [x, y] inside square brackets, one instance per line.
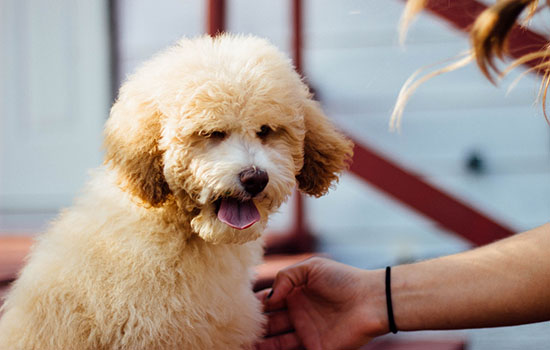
[262, 294]
[278, 323]
[286, 280]
[287, 341]
[272, 306]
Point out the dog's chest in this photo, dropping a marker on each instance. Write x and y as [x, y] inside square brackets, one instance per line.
[206, 301]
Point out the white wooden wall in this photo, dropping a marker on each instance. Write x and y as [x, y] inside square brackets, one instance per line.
[54, 98]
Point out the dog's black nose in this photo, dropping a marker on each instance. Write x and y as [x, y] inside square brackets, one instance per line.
[254, 180]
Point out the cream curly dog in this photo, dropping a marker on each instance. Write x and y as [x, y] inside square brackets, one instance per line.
[205, 141]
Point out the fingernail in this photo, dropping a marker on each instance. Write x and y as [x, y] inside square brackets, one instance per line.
[270, 294]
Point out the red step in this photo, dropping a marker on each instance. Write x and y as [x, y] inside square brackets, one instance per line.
[13, 250]
[416, 344]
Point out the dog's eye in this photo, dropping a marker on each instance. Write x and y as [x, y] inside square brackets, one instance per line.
[265, 130]
[217, 135]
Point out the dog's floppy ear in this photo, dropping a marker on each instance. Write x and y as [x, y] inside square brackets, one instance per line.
[326, 152]
[131, 147]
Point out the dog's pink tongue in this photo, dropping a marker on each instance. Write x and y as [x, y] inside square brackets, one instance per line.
[237, 214]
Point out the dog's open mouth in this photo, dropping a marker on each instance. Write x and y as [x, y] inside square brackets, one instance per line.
[237, 213]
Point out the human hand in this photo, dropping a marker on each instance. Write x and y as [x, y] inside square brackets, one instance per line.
[320, 304]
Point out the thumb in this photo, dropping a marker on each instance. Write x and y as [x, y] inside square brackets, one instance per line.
[286, 280]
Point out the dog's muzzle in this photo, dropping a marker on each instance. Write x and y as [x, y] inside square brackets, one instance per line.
[242, 213]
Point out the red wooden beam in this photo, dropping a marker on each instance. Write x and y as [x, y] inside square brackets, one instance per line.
[417, 194]
[299, 230]
[297, 34]
[215, 17]
[461, 14]
[299, 239]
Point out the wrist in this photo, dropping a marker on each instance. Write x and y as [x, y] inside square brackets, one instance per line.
[374, 306]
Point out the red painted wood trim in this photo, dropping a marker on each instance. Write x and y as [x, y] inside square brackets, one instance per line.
[297, 34]
[215, 17]
[461, 14]
[299, 224]
[408, 188]
[300, 235]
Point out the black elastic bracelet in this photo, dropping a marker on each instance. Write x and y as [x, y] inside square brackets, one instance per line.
[391, 320]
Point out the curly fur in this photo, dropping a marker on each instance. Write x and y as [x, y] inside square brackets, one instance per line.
[141, 261]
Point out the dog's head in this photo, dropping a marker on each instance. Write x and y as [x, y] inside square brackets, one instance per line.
[226, 127]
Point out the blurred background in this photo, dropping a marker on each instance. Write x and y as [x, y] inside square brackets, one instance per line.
[481, 147]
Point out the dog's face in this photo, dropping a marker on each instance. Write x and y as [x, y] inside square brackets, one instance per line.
[236, 154]
[226, 127]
